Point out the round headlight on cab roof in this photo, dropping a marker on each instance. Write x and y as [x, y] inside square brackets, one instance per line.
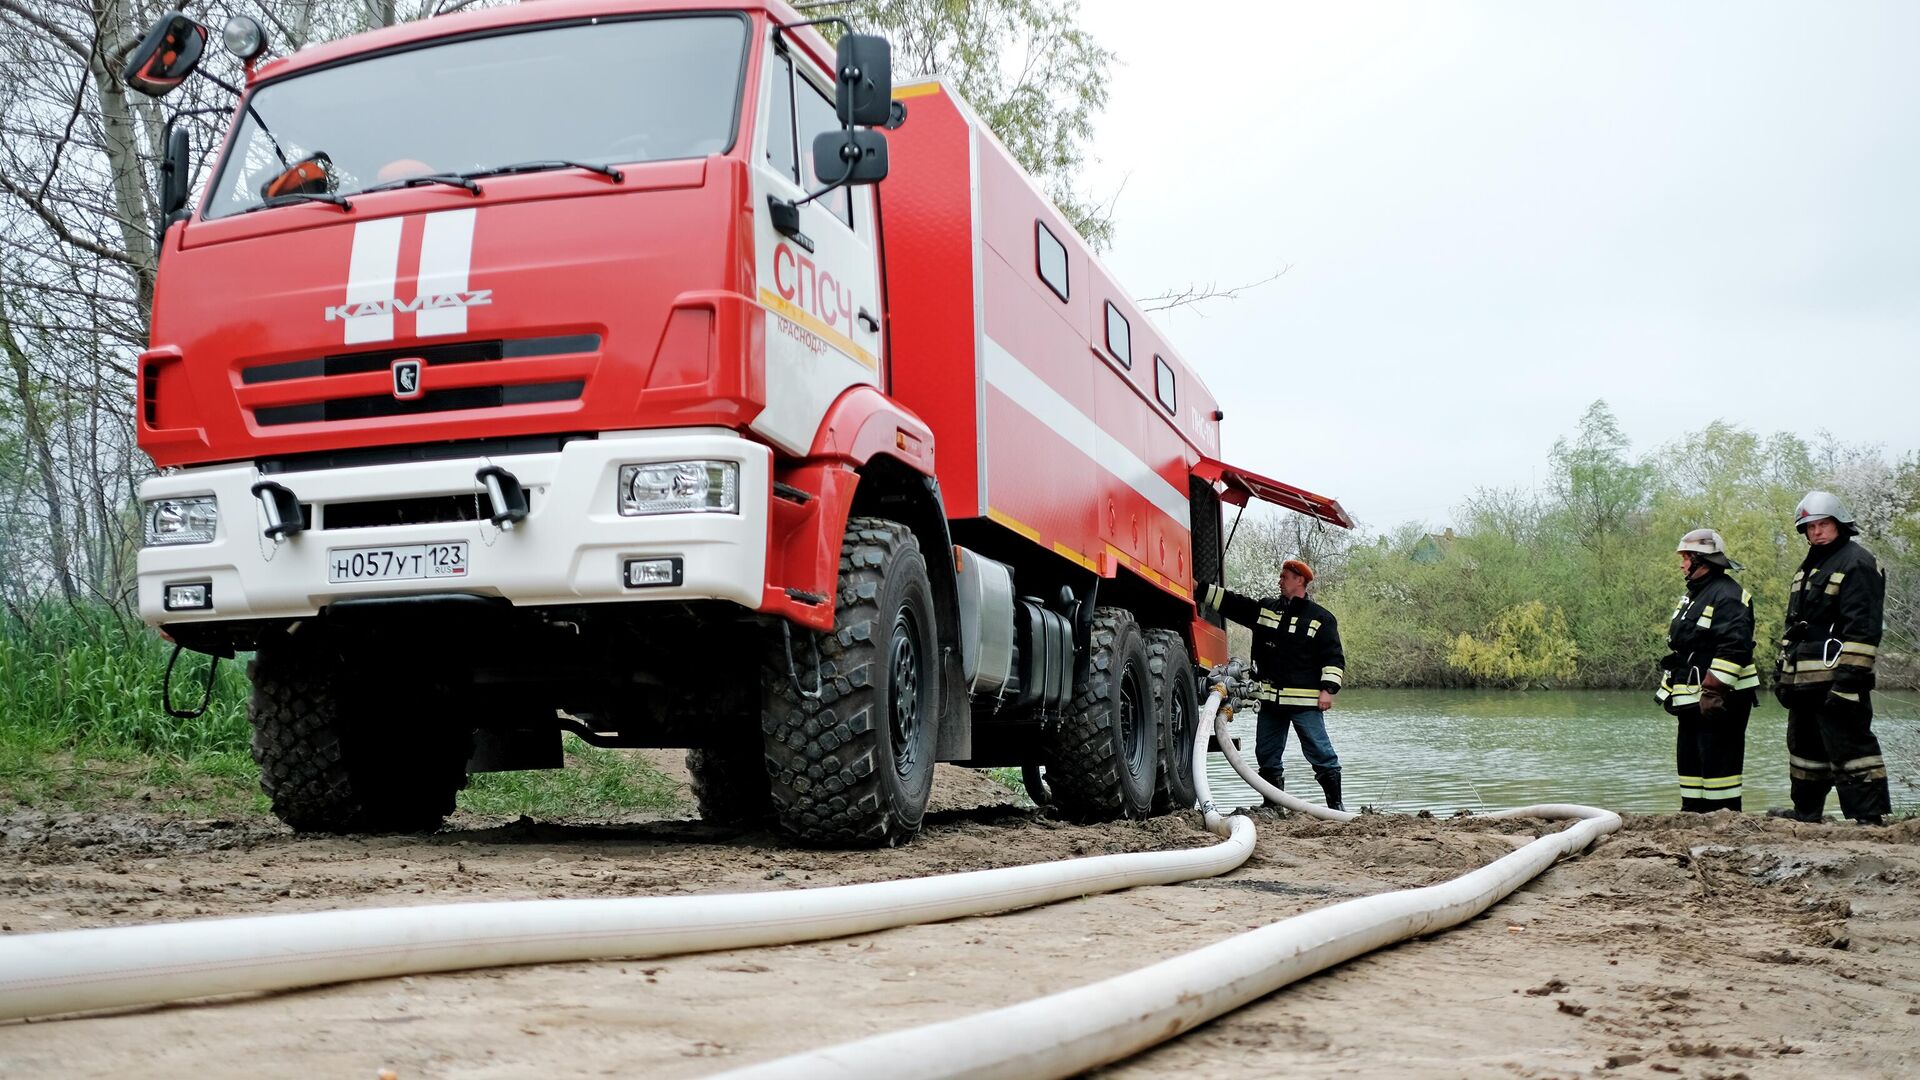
[244, 37]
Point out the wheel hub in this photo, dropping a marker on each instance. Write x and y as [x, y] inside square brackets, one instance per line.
[903, 718]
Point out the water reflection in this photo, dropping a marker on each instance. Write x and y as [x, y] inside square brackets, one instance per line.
[1445, 750]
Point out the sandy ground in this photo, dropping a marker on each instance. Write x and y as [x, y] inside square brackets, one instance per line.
[1724, 947]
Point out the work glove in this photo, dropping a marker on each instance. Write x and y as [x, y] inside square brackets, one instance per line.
[1713, 695]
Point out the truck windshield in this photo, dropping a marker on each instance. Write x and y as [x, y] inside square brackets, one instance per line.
[615, 92]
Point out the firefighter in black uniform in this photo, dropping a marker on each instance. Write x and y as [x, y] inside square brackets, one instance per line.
[1708, 679]
[1825, 674]
[1298, 660]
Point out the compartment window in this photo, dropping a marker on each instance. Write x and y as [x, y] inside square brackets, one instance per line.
[1119, 336]
[1052, 259]
[1163, 382]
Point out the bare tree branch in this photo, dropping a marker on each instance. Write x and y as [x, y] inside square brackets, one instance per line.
[1194, 295]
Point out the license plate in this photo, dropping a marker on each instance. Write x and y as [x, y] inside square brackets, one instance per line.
[397, 563]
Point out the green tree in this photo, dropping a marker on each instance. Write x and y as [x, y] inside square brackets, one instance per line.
[1598, 485]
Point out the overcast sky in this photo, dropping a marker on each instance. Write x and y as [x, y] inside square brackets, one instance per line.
[1494, 213]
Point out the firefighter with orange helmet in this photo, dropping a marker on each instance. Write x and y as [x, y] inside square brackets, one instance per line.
[1707, 680]
[1835, 607]
[1298, 659]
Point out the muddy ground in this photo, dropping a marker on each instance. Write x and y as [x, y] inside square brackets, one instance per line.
[1724, 946]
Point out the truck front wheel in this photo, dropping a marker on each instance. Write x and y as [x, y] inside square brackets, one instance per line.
[1101, 757]
[343, 749]
[849, 718]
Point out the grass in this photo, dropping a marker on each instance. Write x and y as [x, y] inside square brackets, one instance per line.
[82, 728]
[594, 782]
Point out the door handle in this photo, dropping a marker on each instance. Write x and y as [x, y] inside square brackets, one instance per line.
[873, 324]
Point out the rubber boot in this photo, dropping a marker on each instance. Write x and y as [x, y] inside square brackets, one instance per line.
[1274, 777]
[1330, 783]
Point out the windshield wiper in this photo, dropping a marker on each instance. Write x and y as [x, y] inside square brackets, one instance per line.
[449, 179]
[293, 197]
[547, 165]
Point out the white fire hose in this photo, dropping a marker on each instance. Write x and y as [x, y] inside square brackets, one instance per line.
[75, 970]
[1068, 1033]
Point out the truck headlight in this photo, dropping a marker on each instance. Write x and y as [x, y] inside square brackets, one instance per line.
[181, 521]
[680, 487]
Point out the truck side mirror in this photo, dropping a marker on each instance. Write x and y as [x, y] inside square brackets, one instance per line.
[863, 72]
[176, 174]
[850, 156]
[167, 55]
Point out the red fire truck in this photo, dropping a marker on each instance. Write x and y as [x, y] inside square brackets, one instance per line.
[565, 367]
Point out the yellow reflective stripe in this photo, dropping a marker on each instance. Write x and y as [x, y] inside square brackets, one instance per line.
[1215, 596]
[1684, 699]
[1844, 694]
[1269, 618]
[1858, 648]
[1808, 763]
[1721, 783]
[1712, 792]
[1746, 598]
[1333, 675]
[1747, 683]
[1835, 579]
[1727, 666]
[1873, 761]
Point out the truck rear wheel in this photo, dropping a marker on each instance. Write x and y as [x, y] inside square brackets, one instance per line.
[343, 750]
[854, 765]
[1176, 698]
[1101, 759]
[730, 783]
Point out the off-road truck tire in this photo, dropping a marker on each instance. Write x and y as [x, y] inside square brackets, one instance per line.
[854, 766]
[1102, 756]
[341, 753]
[1176, 700]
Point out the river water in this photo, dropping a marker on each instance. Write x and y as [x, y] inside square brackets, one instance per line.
[1446, 750]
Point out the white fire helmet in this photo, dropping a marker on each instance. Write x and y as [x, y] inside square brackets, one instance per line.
[1822, 504]
[1707, 543]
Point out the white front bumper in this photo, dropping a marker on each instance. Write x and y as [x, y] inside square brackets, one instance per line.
[571, 549]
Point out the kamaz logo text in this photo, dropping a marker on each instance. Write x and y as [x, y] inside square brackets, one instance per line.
[392, 305]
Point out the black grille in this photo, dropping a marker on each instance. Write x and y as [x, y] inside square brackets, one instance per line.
[361, 457]
[465, 397]
[464, 352]
[150, 394]
[419, 510]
